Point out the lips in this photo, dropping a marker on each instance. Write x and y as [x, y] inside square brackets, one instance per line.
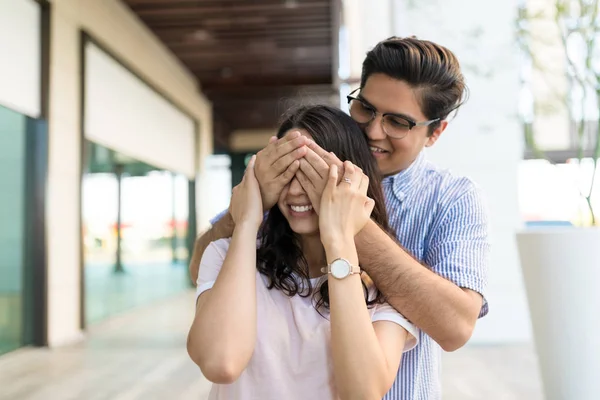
[378, 150]
[301, 208]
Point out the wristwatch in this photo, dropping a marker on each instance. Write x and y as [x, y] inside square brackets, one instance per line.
[340, 268]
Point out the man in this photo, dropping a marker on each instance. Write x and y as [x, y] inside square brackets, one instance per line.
[435, 273]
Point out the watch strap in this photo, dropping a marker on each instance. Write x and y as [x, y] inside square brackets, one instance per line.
[354, 269]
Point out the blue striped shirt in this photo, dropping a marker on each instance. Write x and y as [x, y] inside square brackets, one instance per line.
[442, 221]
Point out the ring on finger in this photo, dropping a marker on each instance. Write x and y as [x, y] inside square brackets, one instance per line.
[347, 180]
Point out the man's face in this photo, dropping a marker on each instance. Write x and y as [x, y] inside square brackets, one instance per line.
[389, 95]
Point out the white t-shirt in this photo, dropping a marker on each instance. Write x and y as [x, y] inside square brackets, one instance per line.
[292, 356]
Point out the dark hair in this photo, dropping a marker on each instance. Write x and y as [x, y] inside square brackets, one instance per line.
[279, 256]
[429, 68]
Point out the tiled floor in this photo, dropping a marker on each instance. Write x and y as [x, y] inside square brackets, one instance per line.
[11, 324]
[108, 293]
[141, 355]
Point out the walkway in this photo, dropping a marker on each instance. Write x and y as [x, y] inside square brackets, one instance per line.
[141, 356]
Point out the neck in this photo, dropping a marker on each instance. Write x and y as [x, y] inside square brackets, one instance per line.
[314, 253]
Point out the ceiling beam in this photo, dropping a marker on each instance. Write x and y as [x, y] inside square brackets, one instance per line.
[166, 9]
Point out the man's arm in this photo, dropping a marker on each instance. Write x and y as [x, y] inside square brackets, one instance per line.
[443, 300]
[223, 228]
[437, 306]
[442, 296]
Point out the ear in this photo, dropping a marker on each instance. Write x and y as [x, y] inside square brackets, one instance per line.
[436, 133]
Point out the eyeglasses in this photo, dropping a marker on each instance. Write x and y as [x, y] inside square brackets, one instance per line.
[395, 126]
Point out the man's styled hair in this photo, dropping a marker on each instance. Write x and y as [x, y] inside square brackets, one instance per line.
[429, 68]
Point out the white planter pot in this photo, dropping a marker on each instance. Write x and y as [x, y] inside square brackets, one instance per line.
[561, 267]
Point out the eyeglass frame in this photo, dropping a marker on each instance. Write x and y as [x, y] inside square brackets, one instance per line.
[411, 123]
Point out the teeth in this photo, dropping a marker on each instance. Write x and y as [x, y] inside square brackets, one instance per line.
[301, 208]
[376, 150]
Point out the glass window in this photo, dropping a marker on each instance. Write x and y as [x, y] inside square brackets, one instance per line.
[135, 220]
[12, 237]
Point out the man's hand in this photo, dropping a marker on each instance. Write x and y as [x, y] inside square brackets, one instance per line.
[277, 164]
[314, 172]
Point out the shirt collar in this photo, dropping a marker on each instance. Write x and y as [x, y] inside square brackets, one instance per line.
[404, 180]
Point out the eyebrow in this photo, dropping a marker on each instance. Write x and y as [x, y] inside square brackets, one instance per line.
[407, 117]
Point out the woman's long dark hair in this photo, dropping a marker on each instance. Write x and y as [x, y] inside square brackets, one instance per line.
[280, 257]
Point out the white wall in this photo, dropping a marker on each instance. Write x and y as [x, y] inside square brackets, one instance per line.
[484, 141]
[20, 55]
[125, 115]
[547, 79]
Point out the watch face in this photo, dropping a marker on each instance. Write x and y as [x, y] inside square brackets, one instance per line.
[340, 269]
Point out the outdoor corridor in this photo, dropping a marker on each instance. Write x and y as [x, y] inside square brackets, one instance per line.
[141, 355]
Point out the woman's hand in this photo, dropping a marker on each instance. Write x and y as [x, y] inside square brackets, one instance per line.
[277, 164]
[314, 172]
[345, 207]
[246, 204]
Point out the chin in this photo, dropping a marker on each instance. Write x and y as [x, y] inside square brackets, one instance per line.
[386, 169]
[305, 228]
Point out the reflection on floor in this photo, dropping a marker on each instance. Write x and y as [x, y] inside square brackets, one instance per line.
[141, 355]
[109, 293]
[10, 321]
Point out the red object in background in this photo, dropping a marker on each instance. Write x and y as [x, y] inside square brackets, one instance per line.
[123, 226]
[179, 225]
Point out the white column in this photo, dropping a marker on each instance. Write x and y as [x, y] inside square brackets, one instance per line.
[485, 140]
[64, 180]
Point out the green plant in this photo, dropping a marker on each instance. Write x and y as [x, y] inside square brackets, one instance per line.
[573, 27]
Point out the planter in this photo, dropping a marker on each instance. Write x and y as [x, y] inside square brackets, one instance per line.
[561, 268]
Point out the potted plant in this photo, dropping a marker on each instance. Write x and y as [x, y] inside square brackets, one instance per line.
[561, 265]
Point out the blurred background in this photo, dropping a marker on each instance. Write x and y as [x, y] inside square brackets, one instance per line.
[124, 125]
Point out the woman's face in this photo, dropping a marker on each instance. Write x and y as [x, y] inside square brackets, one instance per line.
[296, 207]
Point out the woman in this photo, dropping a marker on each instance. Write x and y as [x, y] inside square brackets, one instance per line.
[295, 318]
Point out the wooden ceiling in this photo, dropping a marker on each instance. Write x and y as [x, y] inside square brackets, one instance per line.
[254, 59]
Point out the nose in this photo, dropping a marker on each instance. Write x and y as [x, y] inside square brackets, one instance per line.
[375, 129]
[296, 188]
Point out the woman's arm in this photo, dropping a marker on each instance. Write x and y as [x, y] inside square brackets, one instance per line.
[222, 228]
[366, 355]
[221, 339]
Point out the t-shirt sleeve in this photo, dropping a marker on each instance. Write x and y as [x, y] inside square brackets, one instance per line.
[385, 312]
[459, 246]
[210, 265]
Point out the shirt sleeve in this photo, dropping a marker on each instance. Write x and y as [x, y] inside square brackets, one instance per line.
[385, 312]
[210, 265]
[459, 246]
[218, 216]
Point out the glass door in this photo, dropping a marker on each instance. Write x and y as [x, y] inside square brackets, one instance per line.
[13, 134]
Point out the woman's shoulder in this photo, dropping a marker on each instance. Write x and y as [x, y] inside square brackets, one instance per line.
[219, 246]
[222, 245]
